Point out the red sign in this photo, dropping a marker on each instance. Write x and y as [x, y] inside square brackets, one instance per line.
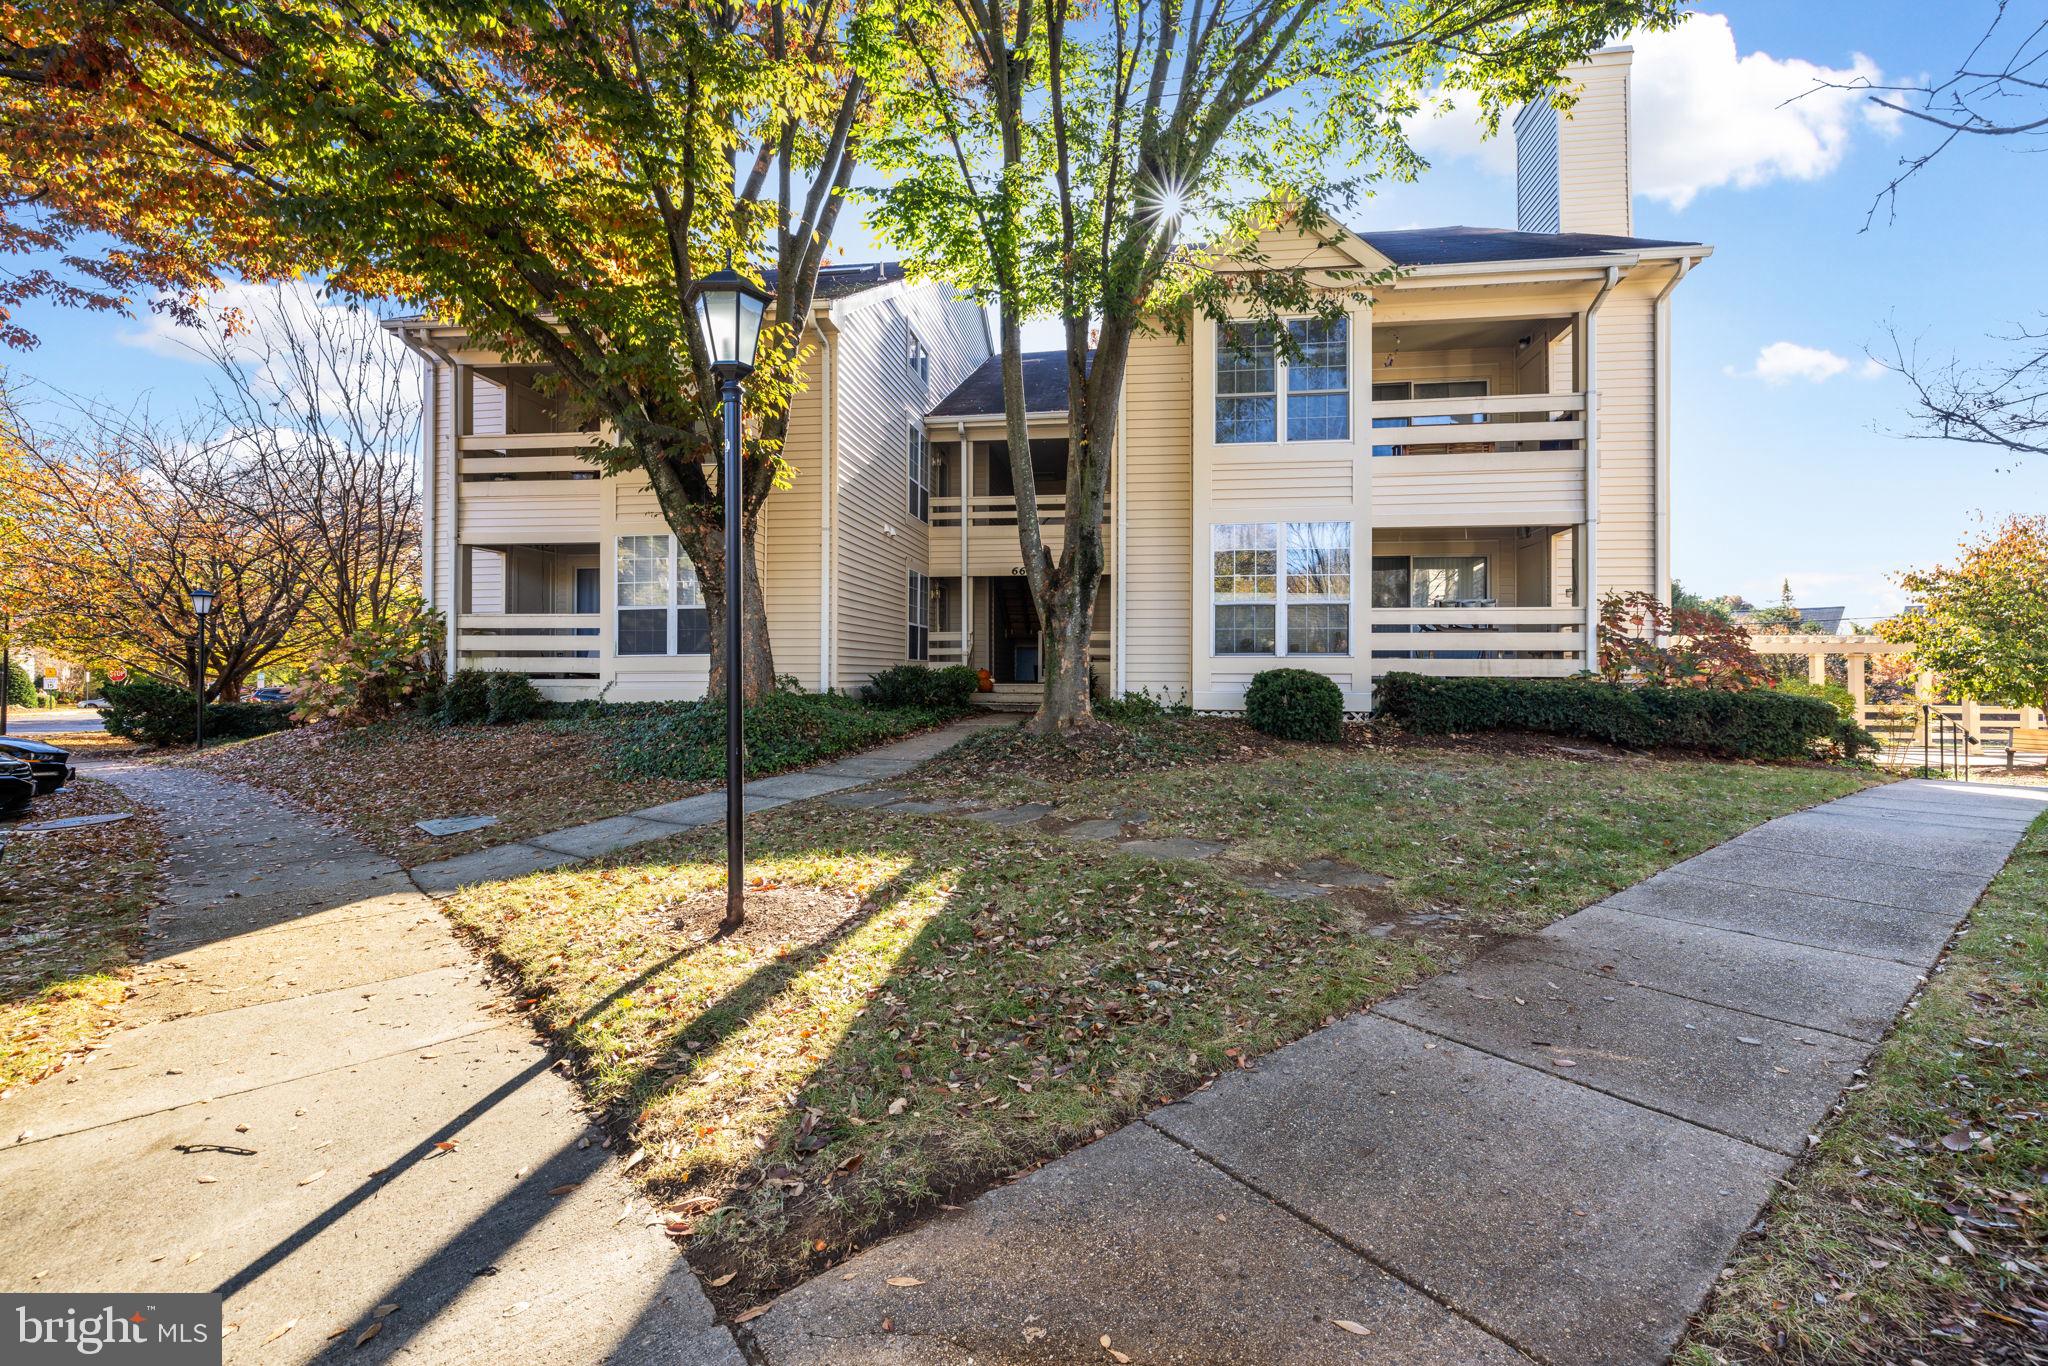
[117, 675]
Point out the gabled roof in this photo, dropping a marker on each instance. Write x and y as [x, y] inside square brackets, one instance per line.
[1467, 246]
[981, 393]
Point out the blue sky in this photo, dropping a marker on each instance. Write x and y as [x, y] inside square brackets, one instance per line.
[1784, 469]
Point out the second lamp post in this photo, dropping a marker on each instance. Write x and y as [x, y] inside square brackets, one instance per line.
[729, 310]
[202, 604]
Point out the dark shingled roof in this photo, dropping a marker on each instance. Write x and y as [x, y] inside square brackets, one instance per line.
[836, 282]
[1464, 246]
[981, 393]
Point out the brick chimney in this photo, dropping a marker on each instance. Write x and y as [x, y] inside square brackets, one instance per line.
[1572, 169]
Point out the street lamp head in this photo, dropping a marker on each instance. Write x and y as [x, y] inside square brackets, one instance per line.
[202, 601]
[729, 310]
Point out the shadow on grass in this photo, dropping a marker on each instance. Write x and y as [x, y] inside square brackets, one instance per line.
[997, 999]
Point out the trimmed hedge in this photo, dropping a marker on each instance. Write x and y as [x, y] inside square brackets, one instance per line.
[926, 689]
[1755, 723]
[161, 714]
[1295, 704]
[512, 699]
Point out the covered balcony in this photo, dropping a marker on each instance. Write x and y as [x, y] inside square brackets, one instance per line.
[1485, 420]
[1487, 601]
[534, 609]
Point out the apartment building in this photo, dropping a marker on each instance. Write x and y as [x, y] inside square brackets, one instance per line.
[1445, 481]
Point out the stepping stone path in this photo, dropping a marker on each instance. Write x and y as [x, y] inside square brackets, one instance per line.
[1318, 877]
[1544, 1157]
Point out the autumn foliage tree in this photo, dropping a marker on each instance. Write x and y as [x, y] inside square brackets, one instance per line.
[125, 518]
[554, 177]
[1982, 622]
[1644, 640]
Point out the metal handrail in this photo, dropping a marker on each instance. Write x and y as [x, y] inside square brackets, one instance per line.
[1937, 729]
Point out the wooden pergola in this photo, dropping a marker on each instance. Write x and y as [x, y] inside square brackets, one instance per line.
[1856, 652]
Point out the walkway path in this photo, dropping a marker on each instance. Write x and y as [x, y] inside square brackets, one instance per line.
[1546, 1156]
[559, 847]
[321, 1106]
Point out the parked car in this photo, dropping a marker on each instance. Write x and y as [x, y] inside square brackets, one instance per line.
[271, 695]
[93, 703]
[17, 787]
[51, 765]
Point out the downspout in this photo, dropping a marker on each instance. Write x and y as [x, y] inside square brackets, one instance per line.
[827, 477]
[966, 569]
[1591, 555]
[1660, 488]
[428, 493]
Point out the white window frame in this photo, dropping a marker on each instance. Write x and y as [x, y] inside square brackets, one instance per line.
[1279, 391]
[1486, 569]
[917, 360]
[1282, 595]
[918, 462]
[684, 591]
[918, 636]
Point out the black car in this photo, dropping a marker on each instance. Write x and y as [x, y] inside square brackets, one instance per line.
[17, 786]
[51, 765]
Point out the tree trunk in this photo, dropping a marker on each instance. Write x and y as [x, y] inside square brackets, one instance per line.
[704, 543]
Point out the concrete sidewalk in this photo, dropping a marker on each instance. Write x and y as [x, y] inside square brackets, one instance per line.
[319, 1106]
[561, 847]
[1544, 1157]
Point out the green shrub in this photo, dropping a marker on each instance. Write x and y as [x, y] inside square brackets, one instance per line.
[161, 714]
[1834, 694]
[513, 698]
[1295, 704]
[21, 689]
[1754, 723]
[950, 689]
[387, 665]
[1140, 706]
[1853, 740]
[466, 698]
[686, 740]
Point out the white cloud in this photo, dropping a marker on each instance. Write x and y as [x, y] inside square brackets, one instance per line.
[255, 323]
[1872, 368]
[1708, 115]
[1782, 362]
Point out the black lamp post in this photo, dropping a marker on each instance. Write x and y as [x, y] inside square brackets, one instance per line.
[202, 607]
[729, 310]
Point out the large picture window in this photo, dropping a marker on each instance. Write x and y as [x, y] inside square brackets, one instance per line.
[1254, 406]
[1430, 580]
[660, 603]
[1281, 588]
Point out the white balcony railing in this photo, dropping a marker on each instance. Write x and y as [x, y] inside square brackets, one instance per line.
[950, 647]
[1500, 422]
[563, 644]
[1000, 510]
[1457, 642]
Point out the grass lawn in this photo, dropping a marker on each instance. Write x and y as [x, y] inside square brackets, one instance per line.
[925, 1006]
[1513, 835]
[1916, 1228]
[537, 776]
[72, 906]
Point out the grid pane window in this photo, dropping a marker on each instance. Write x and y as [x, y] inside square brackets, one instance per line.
[1318, 383]
[1264, 604]
[920, 461]
[1247, 400]
[661, 604]
[920, 645]
[918, 362]
[1319, 628]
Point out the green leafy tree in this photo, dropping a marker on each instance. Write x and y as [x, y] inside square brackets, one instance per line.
[1982, 622]
[1111, 166]
[21, 689]
[553, 175]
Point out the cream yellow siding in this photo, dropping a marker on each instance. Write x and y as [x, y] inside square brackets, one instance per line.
[1626, 548]
[1156, 480]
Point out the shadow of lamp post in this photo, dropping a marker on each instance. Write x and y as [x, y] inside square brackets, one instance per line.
[729, 309]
